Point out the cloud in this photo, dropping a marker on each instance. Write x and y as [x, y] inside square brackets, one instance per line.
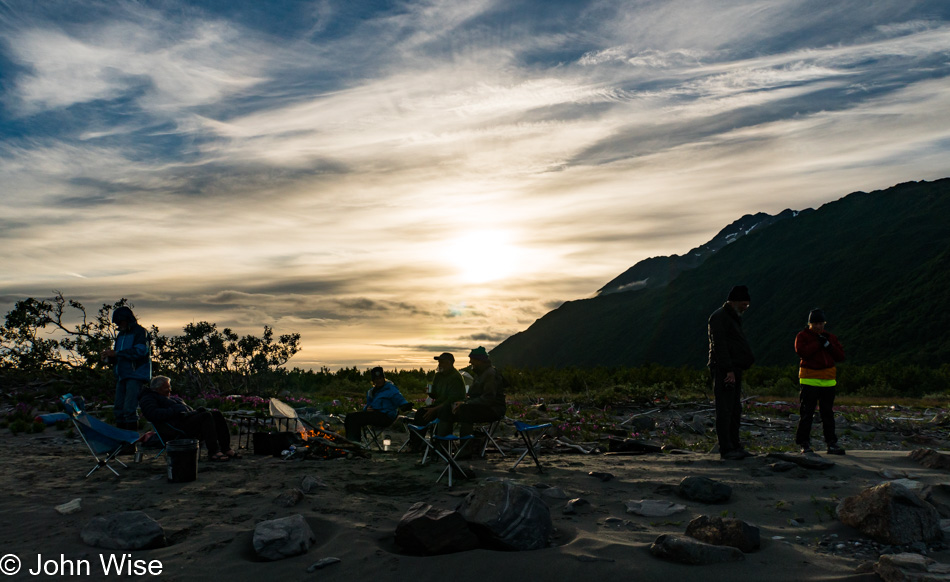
[316, 165]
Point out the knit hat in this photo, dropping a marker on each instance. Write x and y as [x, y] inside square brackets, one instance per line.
[816, 316]
[479, 353]
[739, 293]
[377, 373]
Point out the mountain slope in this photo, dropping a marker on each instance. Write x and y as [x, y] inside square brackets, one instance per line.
[659, 271]
[877, 263]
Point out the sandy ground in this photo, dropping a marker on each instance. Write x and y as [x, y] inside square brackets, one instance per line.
[209, 522]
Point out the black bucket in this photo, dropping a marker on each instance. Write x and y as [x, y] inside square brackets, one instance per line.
[182, 455]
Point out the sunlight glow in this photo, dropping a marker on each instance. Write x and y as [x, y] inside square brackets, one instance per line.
[484, 256]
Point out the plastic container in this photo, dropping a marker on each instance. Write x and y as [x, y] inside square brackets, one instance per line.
[182, 455]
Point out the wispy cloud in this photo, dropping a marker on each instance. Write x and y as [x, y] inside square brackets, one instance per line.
[323, 166]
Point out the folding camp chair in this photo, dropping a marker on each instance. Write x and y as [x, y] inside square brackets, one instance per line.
[105, 441]
[523, 428]
[421, 430]
[371, 436]
[448, 448]
[161, 441]
[488, 430]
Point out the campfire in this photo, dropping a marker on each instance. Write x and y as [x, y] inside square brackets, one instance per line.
[320, 442]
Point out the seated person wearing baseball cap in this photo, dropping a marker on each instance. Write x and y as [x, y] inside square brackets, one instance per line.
[448, 386]
[485, 402]
[383, 402]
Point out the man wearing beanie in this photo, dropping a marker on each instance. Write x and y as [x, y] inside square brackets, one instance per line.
[729, 355]
[818, 350]
[485, 402]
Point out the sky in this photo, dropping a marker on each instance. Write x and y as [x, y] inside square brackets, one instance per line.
[396, 179]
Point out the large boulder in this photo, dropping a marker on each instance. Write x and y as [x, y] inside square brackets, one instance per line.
[508, 516]
[426, 530]
[892, 514]
[725, 531]
[685, 550]
[128, 530]
[703, 490]
[911, 568]
[931, 459]
[277, 539]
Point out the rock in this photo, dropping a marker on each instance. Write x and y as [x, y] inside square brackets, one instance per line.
[642, 423]
[425, 530]
[685, 550]
[806, 461]
[725, 532]
[861, 427]
[70, 507]
[554, 493]
[931, 459]
[615, 445]
[911, 568]
[578, 505]
[915, 486]
[703, 490]
[507, 515]
[128, 530]
[782, 466]
[277, 539]
[892, 514]
[601, 476]
[892, 474]
[320, 564]
[653, 508]
[309, 484]
[289, 498]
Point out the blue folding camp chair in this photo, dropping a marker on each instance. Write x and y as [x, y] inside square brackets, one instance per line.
[531, 444]
[422, 431]
[105, 441]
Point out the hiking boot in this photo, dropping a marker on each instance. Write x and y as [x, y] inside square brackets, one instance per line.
[733, 455]
[806, 449]
[835, 450]
[745, 453]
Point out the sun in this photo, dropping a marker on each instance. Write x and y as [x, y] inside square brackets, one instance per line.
[483, 256]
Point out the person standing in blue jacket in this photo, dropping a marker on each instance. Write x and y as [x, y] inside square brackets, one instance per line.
[383, 402]
[132, 365]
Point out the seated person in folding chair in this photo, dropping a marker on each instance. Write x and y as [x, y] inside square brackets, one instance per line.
[485, 401]
[448, 386]
[383, 402]
[173, 419]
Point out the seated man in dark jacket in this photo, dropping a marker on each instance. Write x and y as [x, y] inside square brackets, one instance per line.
[173, 419]
[485, 401]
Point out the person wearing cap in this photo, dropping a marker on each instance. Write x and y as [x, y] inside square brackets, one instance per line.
[131, 364]
[485, 401]
[383, 402]
[819, 350]
[729, 356]
[448, 386]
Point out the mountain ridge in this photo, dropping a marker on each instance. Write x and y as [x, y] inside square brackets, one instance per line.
[877, 262]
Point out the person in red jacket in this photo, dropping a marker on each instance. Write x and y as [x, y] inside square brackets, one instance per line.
[819, 350]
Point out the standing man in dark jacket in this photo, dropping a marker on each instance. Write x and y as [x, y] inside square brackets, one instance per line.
[818, 350]
[132, 365]
[729, 356]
